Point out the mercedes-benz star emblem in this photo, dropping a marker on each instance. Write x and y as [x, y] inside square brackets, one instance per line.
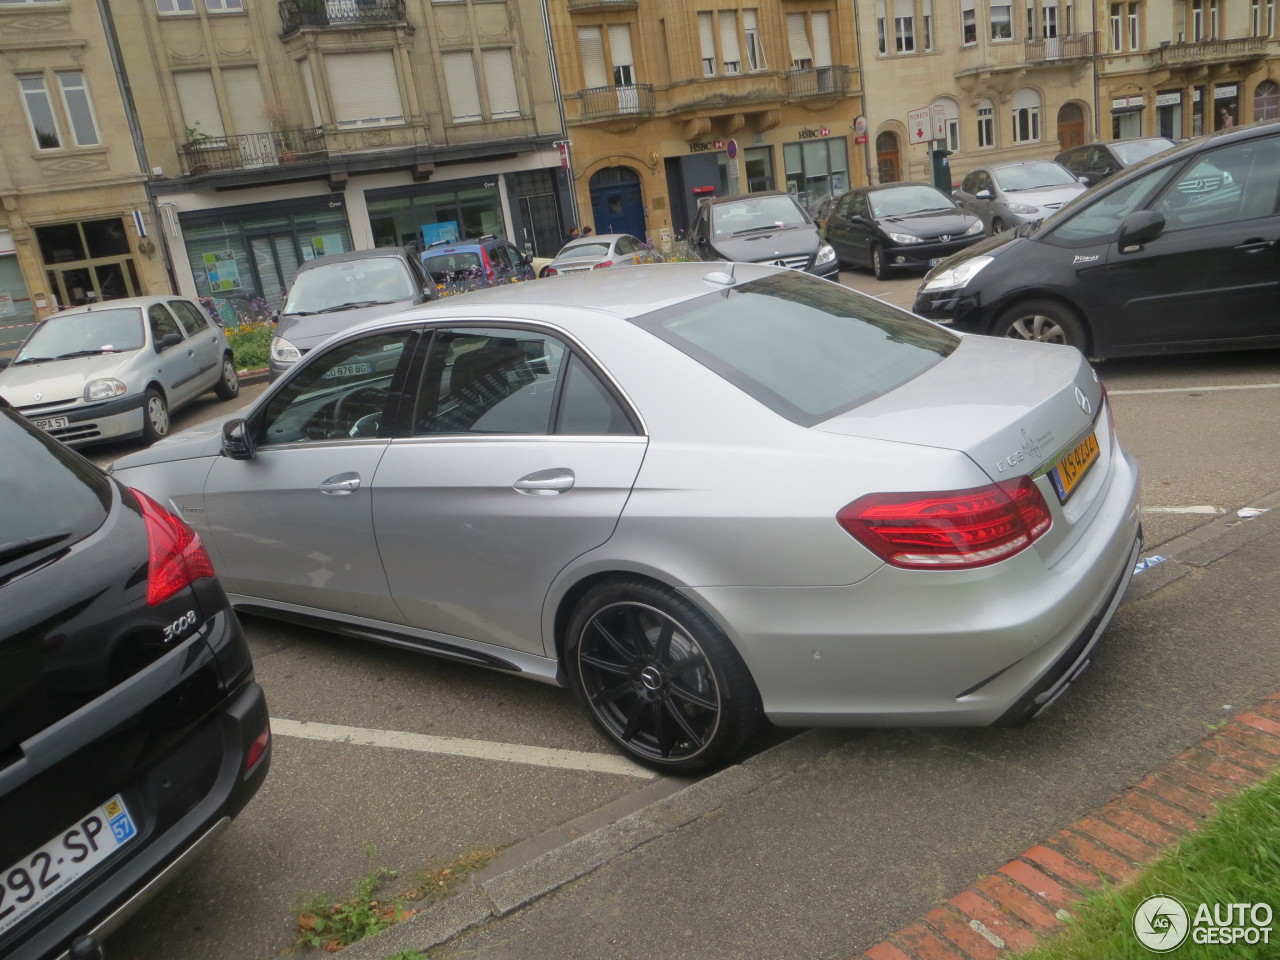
[1085, 405]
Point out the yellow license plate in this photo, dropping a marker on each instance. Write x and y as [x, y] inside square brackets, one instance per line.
[1071, 468]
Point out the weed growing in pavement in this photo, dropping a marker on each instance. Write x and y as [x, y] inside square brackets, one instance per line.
[322, 923]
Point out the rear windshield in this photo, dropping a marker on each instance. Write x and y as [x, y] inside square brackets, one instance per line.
[444, 267]
[50, 497]
[585, 250]
[807, 349]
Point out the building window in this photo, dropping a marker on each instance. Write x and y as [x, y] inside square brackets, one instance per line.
[730, 53]
[815, 168]
[968, 22]
[951, 111]
[1001, 21]
[1042, 19]
[176, 6]
[751, 34]
[1134, 27]
[1169, 114]
[707, 39]
[1126, 117]
[364, 89]
[500, 82]
[464, 92]
[1266, 101]
[904, 26]
[1197, 20]
[224, 6]
[926, 20]
[882, 29]
[986, 124]
[1026, 116]
[44, 125]
[75, 99]
[1264, 18]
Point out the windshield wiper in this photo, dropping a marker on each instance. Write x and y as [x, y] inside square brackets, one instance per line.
[357, 303]
[33, 360]
[82, 353]
[772, 226]
[22, 548]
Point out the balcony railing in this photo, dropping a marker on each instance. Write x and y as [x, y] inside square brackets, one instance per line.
[1212, 51]
[251, 151]
[1071, 46]
[577, 6]
[818, 81]
[338, 13]
[627, 100]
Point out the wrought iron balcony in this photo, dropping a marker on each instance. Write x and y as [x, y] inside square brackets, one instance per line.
[338, 13]
[249, 151]
[818, 81]
[1070, 46]
[627, 100]
[1211, 51]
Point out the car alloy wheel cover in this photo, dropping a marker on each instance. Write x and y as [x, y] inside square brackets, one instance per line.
[229, 375]
[1037, 327]
[158, 416]
[649, 682]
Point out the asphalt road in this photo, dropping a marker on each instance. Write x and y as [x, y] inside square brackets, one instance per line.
[492, 760]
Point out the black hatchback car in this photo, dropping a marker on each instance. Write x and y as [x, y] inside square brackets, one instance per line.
[769, 227]
[899, 226]
[131, 728]
[1178, 253]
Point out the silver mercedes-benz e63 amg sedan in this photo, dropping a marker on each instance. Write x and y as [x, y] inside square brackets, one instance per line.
[697, 494]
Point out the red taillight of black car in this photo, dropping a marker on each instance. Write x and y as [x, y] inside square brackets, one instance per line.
[177, 557]
[257, 748]
[951, 529]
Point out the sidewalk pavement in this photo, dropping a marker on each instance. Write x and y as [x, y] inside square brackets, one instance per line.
[927, 844]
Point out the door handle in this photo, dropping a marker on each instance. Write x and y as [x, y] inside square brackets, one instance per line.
[1255, 246]
[340, 485]
[545, 482]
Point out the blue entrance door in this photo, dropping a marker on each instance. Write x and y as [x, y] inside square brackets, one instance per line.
[616, 202]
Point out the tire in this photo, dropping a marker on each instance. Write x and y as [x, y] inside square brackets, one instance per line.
[997, 226]
[623, 640]
[228, 387]
[1044, 321]
[878, 266]
[155, 416]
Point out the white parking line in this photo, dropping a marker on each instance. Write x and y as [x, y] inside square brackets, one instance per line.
[1202, 508]
[460, 747]
[1215, 389]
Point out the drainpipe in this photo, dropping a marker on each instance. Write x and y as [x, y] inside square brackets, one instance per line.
[862, 76]
[1097, 55]
[564, 130]
[135, 134]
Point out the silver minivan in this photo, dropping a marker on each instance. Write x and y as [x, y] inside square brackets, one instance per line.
[114, 370]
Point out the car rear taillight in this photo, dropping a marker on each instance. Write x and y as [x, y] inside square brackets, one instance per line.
[550, 272]
[177, 557]
[952, 529]
[603, 263]
[257, 748]
[488, 266]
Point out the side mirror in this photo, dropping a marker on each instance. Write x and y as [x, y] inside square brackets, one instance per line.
[169, 340]
[982, 195]
[1141, 226]
[237, 441]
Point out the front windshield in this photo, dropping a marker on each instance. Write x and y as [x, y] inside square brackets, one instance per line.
[84, 334]
[349, 283]
[903, 201]
[755, 213]
[1033, 176]
[1128, 153]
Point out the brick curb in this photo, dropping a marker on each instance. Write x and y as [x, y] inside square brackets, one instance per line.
[1026, 900]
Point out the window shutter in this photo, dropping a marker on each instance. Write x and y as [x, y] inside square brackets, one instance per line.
[460, 79]
[500, 77]
[199, 102]
[798, 39]
[244, 97]
[707, 40]
[620, 45]
[821, 39]
[363, 88]
[729, 36]
[592, 47]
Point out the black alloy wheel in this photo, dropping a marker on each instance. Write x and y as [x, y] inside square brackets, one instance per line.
[659, 679]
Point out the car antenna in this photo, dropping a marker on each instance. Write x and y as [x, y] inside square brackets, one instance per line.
[721, 276]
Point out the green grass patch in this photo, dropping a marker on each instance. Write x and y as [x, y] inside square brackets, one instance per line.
[1233, 859]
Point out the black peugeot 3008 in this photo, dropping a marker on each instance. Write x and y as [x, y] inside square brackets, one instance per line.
[131, 728]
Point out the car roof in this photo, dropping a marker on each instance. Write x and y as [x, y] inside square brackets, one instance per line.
[142, 302]
[716, 201]
[349, 255]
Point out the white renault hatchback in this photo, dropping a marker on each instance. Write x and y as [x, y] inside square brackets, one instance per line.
[117, 369]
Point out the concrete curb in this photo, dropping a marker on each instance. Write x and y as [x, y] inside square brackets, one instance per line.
[247, 377]
[1022, 902]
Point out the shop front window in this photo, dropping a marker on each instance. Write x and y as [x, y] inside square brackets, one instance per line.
[88, 262]
[414, 217]
[16, 308]
[815, 168]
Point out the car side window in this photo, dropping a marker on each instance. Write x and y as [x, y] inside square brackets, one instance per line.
[501, 258]
[624, 246]
[489, 381]
[858, 205]
[587, 407]
[193, 320]
[1101, 219]
[343, 394]
[162, 323]
[1236, 182]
